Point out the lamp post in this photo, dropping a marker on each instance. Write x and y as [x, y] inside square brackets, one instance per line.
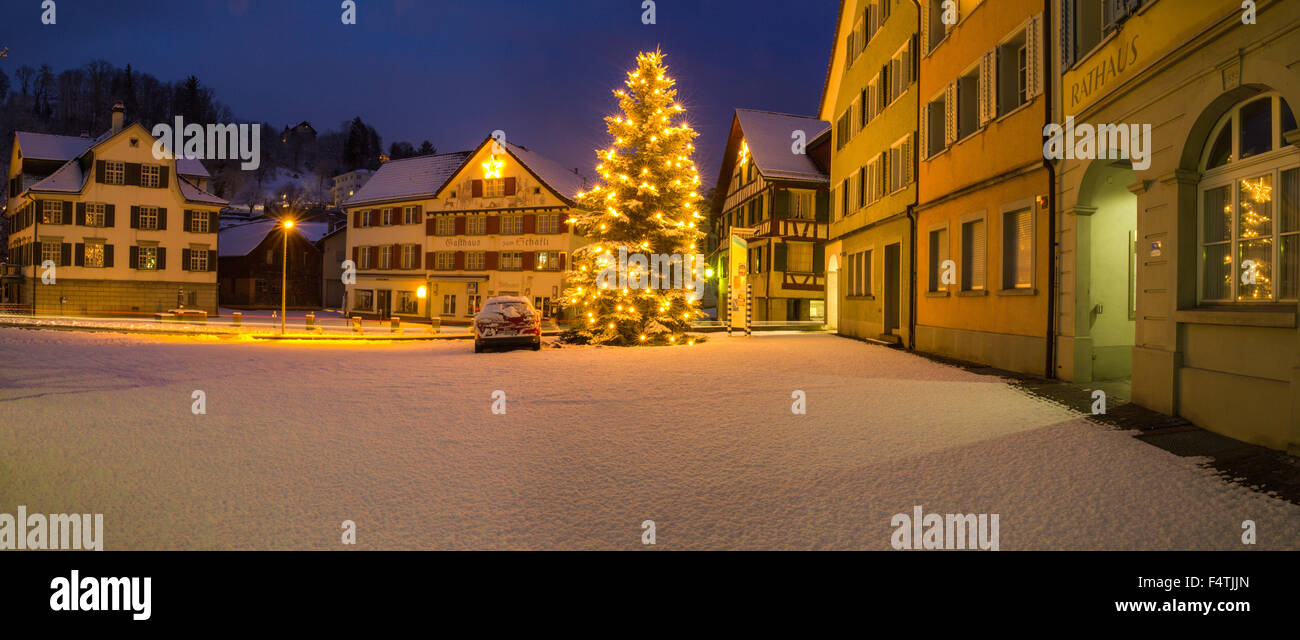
[284, 274]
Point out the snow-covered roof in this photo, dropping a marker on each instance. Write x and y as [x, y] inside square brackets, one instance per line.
[195, 194]
[408, 179]
[191, 167]
[313, 231]
[769, 136]
[46, 146]
[563, 181]
[239, 240]
[68, 179]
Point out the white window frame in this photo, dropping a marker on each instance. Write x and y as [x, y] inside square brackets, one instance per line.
[50, 213]
[445, 226]
[1272, 163]
[96, 214]
[150, 176]
[114, 172]
[199, 259]
[444, 260]
[142, 253]
[512, 224]
[148, 219]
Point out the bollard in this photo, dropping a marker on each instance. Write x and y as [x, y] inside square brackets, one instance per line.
[236, 319]
[311, 321]
[395, 324]
[356, 324]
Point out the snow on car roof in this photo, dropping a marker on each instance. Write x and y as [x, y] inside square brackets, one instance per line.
[499, 299]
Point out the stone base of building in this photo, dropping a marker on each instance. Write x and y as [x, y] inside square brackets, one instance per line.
[115, 297]
[1024, 354]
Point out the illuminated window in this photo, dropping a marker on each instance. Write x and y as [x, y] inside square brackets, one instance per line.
[52, 212]
[1249, 216]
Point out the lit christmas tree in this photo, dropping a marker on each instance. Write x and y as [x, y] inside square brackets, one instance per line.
[645, 203]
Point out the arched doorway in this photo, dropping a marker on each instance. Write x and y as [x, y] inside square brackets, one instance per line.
[1106, 262]
[832, 292]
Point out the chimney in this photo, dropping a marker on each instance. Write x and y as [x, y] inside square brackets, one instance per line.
[119, 111]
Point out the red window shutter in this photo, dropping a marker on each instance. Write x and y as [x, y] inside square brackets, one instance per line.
[419, 211]
[374, 217]
[561, 262]
[356, 256]
[417, 261]
[510, 186]
[528, 260]
[490, 260]
[476, 188]
[564, 224]
[460, 225]
[493, 225]
[459, 262]
[530, 223]
[430, 226]
[356, 219]
[432, 259]
[397, 256]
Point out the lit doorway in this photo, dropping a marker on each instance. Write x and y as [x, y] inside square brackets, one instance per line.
[1105, 308]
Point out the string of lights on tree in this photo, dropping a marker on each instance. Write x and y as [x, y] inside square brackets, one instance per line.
[1256, 228]
[646, 202]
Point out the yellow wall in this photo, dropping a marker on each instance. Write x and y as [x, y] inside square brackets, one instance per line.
[860, 229]
[998, 166]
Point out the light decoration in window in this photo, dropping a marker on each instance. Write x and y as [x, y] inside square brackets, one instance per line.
[492, 168]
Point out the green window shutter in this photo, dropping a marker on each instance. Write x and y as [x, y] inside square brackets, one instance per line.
[780, 203]
[819, 258]
[778, 256]
[823, 206]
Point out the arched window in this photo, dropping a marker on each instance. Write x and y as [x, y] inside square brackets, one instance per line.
[1249, 197]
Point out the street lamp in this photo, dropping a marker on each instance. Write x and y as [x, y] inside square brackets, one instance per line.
[284, 274]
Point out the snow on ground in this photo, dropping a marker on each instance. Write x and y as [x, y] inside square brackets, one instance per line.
[400, 438]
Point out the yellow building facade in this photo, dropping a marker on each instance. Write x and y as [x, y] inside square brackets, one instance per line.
[871, 100]
[1182, 264]
[984, 228]
[103, 227]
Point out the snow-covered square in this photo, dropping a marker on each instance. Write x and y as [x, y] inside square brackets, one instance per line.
[401, 438]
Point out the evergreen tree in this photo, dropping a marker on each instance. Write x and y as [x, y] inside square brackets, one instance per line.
[645, 203]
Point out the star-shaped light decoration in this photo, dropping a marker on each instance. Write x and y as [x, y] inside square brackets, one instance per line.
[1259, 191]
[492, 168]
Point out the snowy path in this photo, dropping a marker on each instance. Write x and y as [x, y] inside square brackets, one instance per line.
[400, 438]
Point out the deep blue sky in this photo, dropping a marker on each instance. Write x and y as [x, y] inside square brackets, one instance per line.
[450, 71]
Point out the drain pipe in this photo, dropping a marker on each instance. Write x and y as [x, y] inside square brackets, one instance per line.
[911, 259]
[1050, 364]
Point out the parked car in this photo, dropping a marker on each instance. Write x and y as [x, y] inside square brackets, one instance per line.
[507, 321]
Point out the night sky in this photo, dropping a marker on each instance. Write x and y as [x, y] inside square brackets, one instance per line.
[450, 71]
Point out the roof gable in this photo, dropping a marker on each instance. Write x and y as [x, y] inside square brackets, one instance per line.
[562, 183]
[416, 178]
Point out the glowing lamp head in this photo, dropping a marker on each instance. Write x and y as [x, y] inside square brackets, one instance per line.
[421, 292]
